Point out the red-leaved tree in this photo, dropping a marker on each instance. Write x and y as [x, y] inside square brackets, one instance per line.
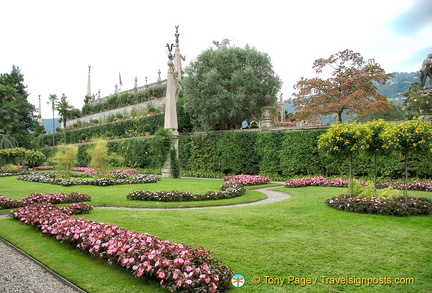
[349, 89]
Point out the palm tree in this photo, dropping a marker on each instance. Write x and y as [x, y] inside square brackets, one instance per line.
[64, 109]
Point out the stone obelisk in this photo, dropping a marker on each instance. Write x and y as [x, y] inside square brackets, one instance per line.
[171, 122]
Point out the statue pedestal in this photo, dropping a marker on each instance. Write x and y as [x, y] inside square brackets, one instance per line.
[266, 121]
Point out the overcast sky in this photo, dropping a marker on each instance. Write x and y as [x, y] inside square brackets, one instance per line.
[53, 42]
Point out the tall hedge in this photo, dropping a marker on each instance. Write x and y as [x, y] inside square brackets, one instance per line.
[283, 153]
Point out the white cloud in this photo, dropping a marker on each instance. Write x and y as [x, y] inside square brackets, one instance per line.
[53, 42]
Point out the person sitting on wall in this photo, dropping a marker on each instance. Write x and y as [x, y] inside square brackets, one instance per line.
[245, 124]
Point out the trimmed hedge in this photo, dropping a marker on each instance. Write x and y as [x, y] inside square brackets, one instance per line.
[283, 154]
[276, 154]
[121, 129]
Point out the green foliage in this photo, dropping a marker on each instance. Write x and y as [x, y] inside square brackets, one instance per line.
[10, 167]
[268, 147]
[161, 145]
[16, 113]
[299, 154]
[388, 193]
[174, 163]
[356, 187]
[417, 102]
[229, 154]
[411, 137]
[34, 158]
[12, 153]
[99, 157]
[225, 86]
[7, 141]
[65, 158]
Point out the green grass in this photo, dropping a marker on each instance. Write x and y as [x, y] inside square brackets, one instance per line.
[116, 195]
[299, 237]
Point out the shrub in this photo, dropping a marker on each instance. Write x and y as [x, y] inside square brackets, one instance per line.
[10, 168]
[34, 158]
[99, 157]
[65, 159]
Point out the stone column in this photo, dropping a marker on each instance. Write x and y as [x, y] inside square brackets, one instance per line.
[171, 119]
[266, 121]
[170, 101]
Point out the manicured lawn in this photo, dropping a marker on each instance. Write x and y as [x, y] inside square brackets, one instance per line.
[299, 237]
[116, 195]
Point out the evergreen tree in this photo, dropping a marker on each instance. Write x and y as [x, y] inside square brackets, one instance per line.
[225, 86]
[16, 113]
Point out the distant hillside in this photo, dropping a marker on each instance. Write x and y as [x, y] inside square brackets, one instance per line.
[47, 123]
[398, 84]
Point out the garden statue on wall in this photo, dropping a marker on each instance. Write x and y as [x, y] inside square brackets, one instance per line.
[426, 71]
[224, 44]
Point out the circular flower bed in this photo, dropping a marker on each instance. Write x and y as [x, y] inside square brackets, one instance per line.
[228, 191]
[399, 206]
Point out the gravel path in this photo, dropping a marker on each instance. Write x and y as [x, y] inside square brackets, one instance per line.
[20, 272]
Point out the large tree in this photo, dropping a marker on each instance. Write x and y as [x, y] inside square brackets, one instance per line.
[225, 86]
[16, 113]
[349, 88]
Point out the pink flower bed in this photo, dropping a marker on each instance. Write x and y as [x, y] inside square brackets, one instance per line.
[125, 171]
[415, 185]
[178, 267]
[247, 179]
[54, 198]
[318, 181]
[83, 169]
[43, 168]
[339, 182]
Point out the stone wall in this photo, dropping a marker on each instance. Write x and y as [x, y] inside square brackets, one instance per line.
[157, 103]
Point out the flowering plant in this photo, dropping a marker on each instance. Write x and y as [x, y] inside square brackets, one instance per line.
[318, 181]
[178, 267]
[400, 206]
[247, 180]
[43, 168]
[54, 198]
[8, 203]
[228, 191]
[82, 169]
[105, 181]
